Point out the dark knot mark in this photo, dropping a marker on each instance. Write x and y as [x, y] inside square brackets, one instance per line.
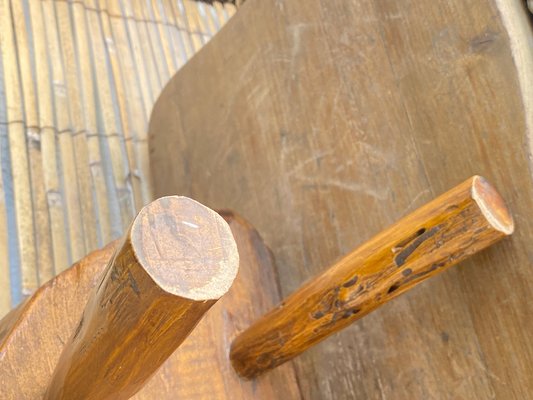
[402, 256]
[399, 247]
[408, 273]
[394, 287]
[351, 282]
[352, 311]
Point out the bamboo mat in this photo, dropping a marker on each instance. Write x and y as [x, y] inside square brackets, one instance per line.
[78, 79]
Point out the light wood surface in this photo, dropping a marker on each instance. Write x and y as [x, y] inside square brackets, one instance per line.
[438, 235]
[79, 79]
[325, 123]
[36, 332]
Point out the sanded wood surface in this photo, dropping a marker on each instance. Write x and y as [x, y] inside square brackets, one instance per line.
[449, 229]
[78, 82]
[325, 123]
[36, 332]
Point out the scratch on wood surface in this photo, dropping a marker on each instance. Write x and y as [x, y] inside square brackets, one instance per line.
[296, 46]
[393, 16]
[296, 32]
[483, 42]
[355, 187]
[377, 158]
[190, 224]
[485, 369]
[314, 158]
[415, 200]
[342, 167]
[246, 75]
[380, 386]
[374, 158]
[258, 94]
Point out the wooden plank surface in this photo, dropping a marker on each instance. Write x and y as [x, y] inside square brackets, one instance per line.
[325, 123]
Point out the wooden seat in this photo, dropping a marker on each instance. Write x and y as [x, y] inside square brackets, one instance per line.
[325, 122]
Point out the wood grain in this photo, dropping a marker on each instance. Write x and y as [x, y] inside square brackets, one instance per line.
[322, 124]
[177, 259]
[37, 330]
[442, 233]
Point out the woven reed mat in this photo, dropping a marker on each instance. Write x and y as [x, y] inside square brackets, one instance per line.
[78, 81]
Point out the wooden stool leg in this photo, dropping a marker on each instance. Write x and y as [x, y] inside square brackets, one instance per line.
[455, 225]
[177, 259]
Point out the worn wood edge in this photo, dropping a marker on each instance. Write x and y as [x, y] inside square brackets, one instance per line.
[10, 321]
[492, 205]
[211, 285]
[232, 216]
[520, 33]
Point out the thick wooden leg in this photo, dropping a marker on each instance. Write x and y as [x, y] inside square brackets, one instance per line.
[33, 335]
[177, 259]
[440, 234]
